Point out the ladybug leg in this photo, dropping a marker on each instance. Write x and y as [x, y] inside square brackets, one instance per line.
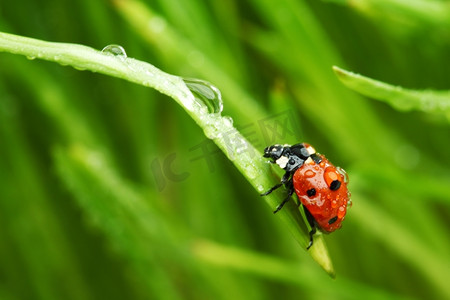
[312, 224]
[272, 189]
[284, 180]
[290, 187]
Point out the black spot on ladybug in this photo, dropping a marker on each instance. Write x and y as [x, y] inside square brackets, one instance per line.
[316, 158]
[311, 192]
[335, 184]
[332, 220]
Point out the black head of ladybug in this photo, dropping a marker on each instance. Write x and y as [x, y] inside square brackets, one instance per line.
[274, 151]
[289, 157]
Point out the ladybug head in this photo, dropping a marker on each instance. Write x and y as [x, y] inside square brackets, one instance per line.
[274, 151]
[286, 156]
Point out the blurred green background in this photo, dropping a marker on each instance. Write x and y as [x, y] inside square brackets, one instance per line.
[108, 190]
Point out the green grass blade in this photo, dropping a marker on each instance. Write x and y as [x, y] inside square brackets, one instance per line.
[121, 211]
[301, 275]
[32, 222]
[400, 239]
[398, 97]
[244, 156]
[435, 13]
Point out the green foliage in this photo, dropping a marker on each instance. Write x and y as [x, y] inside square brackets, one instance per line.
[400, 98]
[202, 101]
[108, 190]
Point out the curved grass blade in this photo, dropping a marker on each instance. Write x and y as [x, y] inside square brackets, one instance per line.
[239, 151]
[400, 98]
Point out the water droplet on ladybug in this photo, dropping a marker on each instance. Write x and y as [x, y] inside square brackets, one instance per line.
[343, 173]
[341, 212]
[349, 203]
[330, 175]
[310, 173]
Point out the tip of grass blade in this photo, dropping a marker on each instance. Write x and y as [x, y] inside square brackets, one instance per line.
[319, 252]
[295, 222]
[341, 73]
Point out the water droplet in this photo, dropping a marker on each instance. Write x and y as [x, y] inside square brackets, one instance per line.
[31, 57]
[115, 50]
[341, 212]
[310, 174]
[349, 202]
[228, 121]
[343, 173]
[253, 172]
[206, 94]
[210, 131]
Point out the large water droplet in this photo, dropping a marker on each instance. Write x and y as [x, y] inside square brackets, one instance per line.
[115, 50]
[206, 94]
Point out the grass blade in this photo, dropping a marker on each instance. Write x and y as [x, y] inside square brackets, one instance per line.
[398, 97]
[244, 156]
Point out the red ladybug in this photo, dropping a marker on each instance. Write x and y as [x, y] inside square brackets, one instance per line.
[320, 187]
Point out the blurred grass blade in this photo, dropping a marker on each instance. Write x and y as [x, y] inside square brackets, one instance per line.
[400, 239]
[243, 154]
[412, 13]
[398, 97]
[29, 221]
[301, 275]
[122, 213]
[433, 188]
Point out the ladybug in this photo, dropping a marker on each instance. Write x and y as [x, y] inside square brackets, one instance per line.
[321, 187]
